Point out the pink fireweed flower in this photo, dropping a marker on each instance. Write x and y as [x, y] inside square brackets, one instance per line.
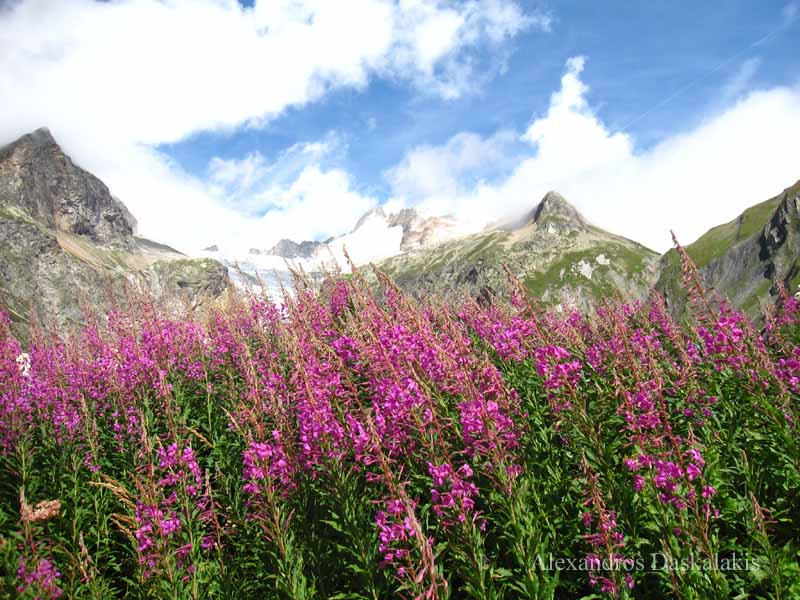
[42, 580]
[339, 298]
[605, 536]
[320, 390]
[555, 366]
[486, 429]
[724, 341]
[162, 519]
[400, 408]
[267, 461]
[506, 335]
[452, 495]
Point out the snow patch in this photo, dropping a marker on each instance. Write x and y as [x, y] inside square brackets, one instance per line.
[585, 268]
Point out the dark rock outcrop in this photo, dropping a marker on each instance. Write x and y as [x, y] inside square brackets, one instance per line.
[188, 282]
[38, 178]
[555, 207]
[289, 249]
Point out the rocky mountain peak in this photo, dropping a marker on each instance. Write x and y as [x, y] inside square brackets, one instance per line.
[406, 217]
[290, 249]
[373, 212]
[39, 138]
[39, 179]
[66, 244]
[555, 206]
[417, 230]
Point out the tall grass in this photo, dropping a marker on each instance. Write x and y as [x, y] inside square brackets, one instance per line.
[340, 446]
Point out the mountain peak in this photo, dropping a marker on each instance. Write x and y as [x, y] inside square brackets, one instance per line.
[290, 249]
[555, 206]
[37, 177]
[39, 138]
[373, 212]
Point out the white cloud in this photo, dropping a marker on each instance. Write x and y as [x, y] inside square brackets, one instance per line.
[443, 171]
[741, 79]
[241, 182]
[113, 80]
[239, 173]
[689, 182]
[318, 204]
[435, 39]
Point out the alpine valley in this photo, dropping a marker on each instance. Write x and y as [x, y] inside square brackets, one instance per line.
[66, 242]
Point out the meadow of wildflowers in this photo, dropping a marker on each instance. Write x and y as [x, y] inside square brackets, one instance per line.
[350, 445]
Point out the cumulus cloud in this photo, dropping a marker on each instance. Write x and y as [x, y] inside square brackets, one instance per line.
[435, 38]
[241, 183]
[448, 170]
[319, 203]
[691, 181]
[115, 79]
[238, 173]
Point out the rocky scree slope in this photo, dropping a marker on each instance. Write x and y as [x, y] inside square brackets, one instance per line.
[558, 255]
[66, 241]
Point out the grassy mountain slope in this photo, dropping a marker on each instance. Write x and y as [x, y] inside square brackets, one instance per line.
[559, 257]
[741, 259]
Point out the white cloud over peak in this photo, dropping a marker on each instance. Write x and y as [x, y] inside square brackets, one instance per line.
[691, 181]
[112, 80]
[317, 204]
[443, 171]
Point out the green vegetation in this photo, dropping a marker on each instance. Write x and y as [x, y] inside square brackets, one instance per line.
[718, 240]
[341, 448]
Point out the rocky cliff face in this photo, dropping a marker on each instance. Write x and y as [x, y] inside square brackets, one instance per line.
[289, 249]
[39, 179]
[560, 258]
[419, 232]
[742, 260]
[66, 244]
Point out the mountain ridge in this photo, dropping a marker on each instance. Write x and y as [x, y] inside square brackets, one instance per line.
[62, 232]
[65, 240]
[553, 250]
[742, 259]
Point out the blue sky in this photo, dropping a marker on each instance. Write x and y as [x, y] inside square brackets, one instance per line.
[236, 124]
[639, 54]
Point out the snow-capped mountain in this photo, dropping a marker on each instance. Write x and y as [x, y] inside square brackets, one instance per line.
[376, 236]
